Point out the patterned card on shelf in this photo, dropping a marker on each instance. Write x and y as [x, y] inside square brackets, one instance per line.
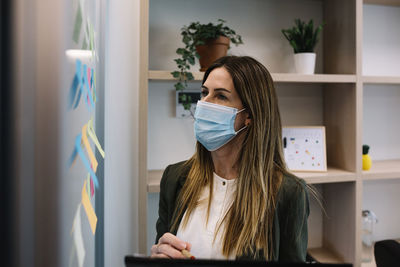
[304, 148]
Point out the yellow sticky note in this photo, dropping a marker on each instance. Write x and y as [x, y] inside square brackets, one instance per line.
[93, 136]
[89, 209]
[88, 184]
[89, 150]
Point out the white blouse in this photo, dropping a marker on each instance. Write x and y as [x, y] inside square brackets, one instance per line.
[201, 235]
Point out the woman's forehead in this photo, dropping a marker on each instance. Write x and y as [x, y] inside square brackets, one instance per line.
[220, 78]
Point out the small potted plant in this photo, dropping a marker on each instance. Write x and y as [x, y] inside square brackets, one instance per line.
[303, 38]
[207, 42]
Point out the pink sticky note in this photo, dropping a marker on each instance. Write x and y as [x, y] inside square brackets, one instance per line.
[91, 188]
[88, 77]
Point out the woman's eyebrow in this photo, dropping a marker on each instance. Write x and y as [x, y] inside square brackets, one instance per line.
[222, 89]
[216, 89]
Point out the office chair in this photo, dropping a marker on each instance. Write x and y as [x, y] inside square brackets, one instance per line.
[387, 253]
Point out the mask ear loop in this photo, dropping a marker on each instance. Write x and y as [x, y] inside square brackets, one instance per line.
[244, 127]
[241, 129]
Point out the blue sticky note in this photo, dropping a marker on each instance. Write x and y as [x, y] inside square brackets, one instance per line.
[72, 157]
[78, 151]
[85, 160]
[76, 86]
[93, 86]
[78, 98]
[86, 85]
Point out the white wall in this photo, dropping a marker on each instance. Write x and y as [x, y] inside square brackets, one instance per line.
[121, 132]
[381, 123]
[381, 41]
[383, 197]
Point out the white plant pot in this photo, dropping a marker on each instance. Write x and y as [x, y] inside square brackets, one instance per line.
[305, 63]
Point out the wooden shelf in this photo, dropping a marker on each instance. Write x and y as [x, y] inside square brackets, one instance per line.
[333, 175]
[325, 255]
[277, 77]
[383, 2]
[384, 169]
[381, 79]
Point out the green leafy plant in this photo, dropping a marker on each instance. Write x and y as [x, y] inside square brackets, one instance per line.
[193, 35]
[302, 36]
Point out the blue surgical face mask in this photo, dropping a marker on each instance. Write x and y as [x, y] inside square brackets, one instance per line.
[214, 124]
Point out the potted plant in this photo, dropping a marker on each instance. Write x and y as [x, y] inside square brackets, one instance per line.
[207, 42]
[303, 38]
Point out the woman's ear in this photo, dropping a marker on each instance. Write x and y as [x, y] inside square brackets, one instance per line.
[248, 121]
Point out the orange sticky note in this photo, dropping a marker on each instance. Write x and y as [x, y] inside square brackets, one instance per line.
[89, 150]
[89, 209]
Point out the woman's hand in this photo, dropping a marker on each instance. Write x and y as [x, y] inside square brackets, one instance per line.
[169, 246]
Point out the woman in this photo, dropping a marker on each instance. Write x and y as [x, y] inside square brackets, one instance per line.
[234, 198]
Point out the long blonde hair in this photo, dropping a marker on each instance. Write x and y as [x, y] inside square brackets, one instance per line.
[249, 221]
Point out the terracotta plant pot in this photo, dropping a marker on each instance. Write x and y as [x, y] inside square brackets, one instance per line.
[212, 50]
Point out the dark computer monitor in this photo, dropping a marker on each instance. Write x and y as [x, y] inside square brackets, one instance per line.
[132, 261]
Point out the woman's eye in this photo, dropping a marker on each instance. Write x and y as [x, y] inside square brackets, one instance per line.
[204, 93]
[222, 97]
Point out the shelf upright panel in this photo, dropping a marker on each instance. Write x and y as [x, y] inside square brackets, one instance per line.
[340, 120]
[339, 37]
[143, 105]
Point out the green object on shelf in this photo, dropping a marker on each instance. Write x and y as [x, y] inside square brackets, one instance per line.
[194, 35]
[365, 149]
[302, 36]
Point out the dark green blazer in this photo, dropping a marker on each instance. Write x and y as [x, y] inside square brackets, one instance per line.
[290, 221]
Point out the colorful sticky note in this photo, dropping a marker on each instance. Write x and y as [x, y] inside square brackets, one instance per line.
[72, 158]
[78, 240]
[88, 183]
[91, 188]
[94, 85]
[78, 151]
[72, 91]
[77, 24]
[85, 141]
[86, 85]
[91, 37]
[92, 135]
[84, 44]
[76, 86]
[89, 209]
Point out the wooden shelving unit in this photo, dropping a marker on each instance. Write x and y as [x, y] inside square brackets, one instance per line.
[340, 84]
[325, 255]
[153, 181]
[164, 75]
[333, 175]
[383, 2]
[384, 169]
[381, 79]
